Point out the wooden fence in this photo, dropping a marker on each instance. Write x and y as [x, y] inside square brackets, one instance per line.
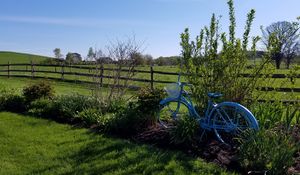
[86, 71]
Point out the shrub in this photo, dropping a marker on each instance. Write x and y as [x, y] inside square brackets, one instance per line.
[267, 150]
[185, 130]
[113, 106]
[148, 99]
[38, 90]
[13, 103]
[126, 122]
[70, 105]
[214, 63]
[89, 116]
[45, 108]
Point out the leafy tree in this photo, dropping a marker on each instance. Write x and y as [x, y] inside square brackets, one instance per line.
[214, 69]
[91, 54]
[73, 58]
[286, 37]
[148, 59]
[57, 53]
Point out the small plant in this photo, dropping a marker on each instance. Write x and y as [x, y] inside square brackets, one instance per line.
[70, 105]
[268, 114]
[38, 90]
[267, 150]
[89, 116]
[148, 99]
[184, 131]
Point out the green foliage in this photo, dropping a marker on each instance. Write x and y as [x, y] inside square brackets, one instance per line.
[148, 99]
[70, 105]
[267, 150]
[38, 90]
[46, 108]
[89, 116]
[270, 115]
[211, 69]
[185, 130]
[12, 102]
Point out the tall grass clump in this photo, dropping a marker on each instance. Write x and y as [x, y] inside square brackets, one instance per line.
[268, 151]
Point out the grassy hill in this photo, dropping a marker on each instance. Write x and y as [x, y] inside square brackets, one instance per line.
[14, 57]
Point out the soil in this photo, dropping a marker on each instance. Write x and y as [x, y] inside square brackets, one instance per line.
[211, 150]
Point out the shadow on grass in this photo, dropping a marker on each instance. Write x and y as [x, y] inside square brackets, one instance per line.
[113, 156]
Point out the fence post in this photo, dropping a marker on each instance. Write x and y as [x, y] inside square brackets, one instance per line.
[62, 71]
[32, 70]
[8, 70]
[101, 74]
[151, 81]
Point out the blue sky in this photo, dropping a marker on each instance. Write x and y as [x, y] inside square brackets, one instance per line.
[39, 26]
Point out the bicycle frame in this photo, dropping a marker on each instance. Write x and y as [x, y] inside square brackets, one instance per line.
[204, 121]
[184, 98]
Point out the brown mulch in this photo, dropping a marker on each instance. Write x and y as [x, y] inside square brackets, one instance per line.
[211, 150]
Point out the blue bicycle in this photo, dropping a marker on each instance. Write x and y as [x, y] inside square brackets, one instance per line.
[226, 119]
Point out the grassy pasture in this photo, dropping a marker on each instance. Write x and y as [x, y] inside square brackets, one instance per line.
[14, 57]
[21, 58]
[37, 146]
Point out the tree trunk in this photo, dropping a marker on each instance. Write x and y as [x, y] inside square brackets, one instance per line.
[288, 62]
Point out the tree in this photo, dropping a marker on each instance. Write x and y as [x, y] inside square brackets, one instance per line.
[91, 54]
[137, 58]
[148, 59]
[57, 53]
[122, 52]
[73, 57]
[283, 38]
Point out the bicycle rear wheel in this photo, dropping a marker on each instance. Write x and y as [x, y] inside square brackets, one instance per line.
[170, 111]
[230, 119]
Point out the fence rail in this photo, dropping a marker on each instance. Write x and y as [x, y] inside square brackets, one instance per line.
[32, 69]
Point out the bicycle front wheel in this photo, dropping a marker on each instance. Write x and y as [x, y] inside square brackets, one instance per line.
[170, 111]
[229, 120]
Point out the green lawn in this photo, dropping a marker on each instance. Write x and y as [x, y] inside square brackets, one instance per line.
[37, 146]
[14, 57]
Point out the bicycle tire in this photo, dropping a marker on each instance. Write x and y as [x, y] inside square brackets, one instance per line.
[168, 113]
[229, 120]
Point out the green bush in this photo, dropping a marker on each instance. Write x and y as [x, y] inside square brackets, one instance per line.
[38, 90]
[12, 102]
[126, 122]
[89, 116]
[185, 130]
[113, 106]
[70, 105]
[148, 99]
[215, 61]
[45, 108]
[267, 150]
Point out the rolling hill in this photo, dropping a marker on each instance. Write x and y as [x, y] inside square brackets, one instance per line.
[15, 57]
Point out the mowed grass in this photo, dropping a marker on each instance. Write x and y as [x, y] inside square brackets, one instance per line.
[14, 57]
[37, 146]
[60, 87]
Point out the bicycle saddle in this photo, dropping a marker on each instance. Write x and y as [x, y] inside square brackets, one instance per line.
[214, 95]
